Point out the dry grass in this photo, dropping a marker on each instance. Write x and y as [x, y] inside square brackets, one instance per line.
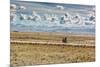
[44, 36]
[32, 54]
[27, 54]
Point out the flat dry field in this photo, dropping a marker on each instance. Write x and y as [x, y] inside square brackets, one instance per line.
[32, 53]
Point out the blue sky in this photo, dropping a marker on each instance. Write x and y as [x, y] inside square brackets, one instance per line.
[85, 2]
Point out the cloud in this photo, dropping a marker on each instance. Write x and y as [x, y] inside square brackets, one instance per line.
[60, 7]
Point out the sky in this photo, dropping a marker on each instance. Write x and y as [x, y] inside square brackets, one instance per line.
[85, 2]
